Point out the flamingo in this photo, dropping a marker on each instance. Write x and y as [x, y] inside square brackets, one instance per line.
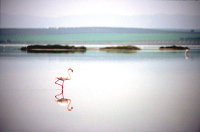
[64, 78]
[63, 101]
[186, 54]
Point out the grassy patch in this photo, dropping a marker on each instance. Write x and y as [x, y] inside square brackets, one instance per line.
[121, 49]
[53, 48]
[173, 48]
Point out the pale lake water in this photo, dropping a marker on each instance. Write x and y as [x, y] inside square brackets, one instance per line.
[146, 91]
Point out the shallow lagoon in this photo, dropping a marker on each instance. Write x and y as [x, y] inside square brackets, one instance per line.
[149, 90]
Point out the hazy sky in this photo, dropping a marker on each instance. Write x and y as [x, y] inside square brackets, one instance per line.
[61, 8]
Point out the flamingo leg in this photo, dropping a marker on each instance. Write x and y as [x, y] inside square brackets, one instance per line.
[58, 83]
[62, 84]
[59, 95]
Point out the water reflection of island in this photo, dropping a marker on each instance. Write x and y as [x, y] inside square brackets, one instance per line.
[63, 101]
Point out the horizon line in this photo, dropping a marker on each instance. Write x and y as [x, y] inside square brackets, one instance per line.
[97, 27]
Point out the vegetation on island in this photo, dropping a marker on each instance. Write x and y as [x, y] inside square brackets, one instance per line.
[123, 49]
[173, 48]
[53, 48]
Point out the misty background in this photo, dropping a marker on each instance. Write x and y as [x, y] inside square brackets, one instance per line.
[163, 14]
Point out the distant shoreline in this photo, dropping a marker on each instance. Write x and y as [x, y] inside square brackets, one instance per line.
[111, 36]
[111, 43]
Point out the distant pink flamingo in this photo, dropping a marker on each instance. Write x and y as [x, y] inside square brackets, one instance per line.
[64, 78]
[186, 54]
[63, 101]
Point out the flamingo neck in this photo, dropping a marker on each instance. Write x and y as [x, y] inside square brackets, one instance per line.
[69, 76]
[68, 107]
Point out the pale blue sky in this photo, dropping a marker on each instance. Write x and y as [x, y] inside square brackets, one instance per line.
[58, 8]
[79, 8]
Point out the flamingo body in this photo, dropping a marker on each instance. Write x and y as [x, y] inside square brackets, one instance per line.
[63, 78]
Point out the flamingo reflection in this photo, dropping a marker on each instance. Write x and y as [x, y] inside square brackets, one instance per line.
[63, 101]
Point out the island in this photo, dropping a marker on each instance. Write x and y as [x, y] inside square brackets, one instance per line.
[123, 49]
[173, 48]
[53, 49]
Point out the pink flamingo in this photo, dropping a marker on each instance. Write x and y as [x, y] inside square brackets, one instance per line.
[186, 54]
[63, 101]
[64, 78]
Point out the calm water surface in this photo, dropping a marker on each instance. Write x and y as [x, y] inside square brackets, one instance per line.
[146, 91]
